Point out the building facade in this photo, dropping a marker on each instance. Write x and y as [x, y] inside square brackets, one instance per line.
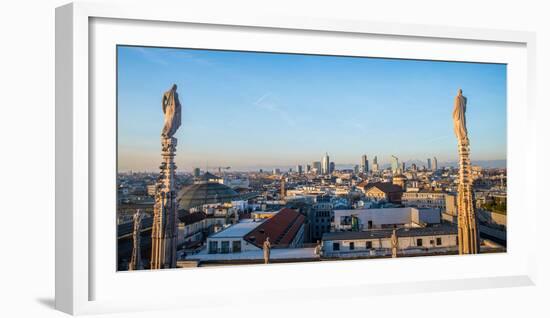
[425, 199]
[377, 243]
[367, 219]
[285, 229]
[321, 216]
[192, 228]
[383, 191]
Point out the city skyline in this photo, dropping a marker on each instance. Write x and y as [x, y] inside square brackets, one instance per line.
[265, 110]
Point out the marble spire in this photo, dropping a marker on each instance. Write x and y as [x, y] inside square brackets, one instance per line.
[468, 235]
[164, 231]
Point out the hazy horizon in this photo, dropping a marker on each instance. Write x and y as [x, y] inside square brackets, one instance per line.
[261, 110]
[490, 164]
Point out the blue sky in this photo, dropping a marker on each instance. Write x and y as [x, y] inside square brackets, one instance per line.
[263, 110]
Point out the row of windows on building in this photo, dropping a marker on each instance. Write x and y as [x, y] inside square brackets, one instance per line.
[321, 220]
[368, 244]
[213, 247]
[323, 214]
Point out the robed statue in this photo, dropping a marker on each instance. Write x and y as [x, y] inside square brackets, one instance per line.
[394, 243]
[318, 248]
[135, 261]
[267, 250]
[171, 108]
[459, 117]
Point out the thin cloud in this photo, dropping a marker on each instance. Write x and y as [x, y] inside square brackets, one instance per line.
[267, 102]
[158, 56]
[151, 57]
[261, 99]
[190, 56]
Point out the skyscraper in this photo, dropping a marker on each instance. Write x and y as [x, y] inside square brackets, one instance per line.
[429, 163]
[299, 169]
[394, 164]
[325, 164]
[364, 164]
[331, 167]
[435, 164]
[317, 166]
[375, 167]
[308, 168]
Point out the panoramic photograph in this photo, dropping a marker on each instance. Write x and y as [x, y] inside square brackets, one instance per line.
[236, 158]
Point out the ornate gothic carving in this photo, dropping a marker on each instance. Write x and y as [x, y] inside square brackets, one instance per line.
[468, 235]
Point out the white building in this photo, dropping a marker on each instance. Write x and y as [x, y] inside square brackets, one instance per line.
[240, 205]
[451, 209]
[384, 218]
[441, 238]
[236, 183]
[285, 229]
[231, 239]
[191, 228]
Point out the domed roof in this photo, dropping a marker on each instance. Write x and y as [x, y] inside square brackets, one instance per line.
[207, 177]
[205, 193]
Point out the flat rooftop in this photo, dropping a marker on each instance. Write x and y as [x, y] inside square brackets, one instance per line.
[276, 253]
[439, 229]
[238, 230]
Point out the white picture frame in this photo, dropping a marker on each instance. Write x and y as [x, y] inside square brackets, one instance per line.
[77, 151]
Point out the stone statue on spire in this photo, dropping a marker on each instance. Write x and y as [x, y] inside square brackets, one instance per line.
[459, 117]
[164, 228]
[468, 233]
[171, 108]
